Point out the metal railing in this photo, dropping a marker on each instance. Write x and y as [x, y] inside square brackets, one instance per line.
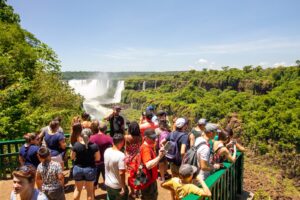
[9, 154]
[227, 183]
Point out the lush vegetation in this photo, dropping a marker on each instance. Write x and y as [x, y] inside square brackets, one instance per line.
[267, 101]
[31, 89]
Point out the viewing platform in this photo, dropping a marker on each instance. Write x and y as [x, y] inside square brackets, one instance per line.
[226, 183]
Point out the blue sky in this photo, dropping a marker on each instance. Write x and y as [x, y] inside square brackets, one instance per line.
[165, 35]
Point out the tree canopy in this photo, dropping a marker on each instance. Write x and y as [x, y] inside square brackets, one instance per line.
[31, 89]
[266, 100]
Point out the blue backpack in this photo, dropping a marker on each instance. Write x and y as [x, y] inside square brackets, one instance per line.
[173, 155]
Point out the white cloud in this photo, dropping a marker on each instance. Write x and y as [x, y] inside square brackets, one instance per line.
[129, 58]
[263, 64]
[130, 53]
[190, 67]
[202, 61]
[279, 64]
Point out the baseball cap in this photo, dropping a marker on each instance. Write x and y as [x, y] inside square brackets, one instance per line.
[202, 121]
[150, 107]
[180, 122]
[210, 127]
[187, 170]
[150, 133]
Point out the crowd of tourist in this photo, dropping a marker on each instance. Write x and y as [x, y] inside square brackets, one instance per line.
[132, 160]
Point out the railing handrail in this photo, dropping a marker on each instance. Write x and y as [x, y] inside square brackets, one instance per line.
[214, 181]
[9, 153]
[22, 140]
[224, 183]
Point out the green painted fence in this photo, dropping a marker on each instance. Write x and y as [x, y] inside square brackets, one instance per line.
[9, 153]
[227, 183]
[224, 184]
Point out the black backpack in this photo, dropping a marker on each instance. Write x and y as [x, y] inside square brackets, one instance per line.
[173, 154]
[191, 155]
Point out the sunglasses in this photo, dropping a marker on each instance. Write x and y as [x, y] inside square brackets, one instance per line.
[25, 169]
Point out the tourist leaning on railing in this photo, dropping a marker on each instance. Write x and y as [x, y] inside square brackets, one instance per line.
[233, 142]
[221, 153]
[55, 141]
[183, 186]
[28, 152]
[203, 152]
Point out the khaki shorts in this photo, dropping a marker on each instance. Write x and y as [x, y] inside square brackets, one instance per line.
[174, 170]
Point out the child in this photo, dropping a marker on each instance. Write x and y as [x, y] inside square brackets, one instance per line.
[49, 176]
[23, 185]
[183, 186]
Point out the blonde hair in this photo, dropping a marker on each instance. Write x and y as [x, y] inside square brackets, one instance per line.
[85, 134]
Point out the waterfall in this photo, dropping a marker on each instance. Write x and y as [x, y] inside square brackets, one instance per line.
[94, 92]
[108, 84]
[118, 92]
[144, 85]
[155, 84]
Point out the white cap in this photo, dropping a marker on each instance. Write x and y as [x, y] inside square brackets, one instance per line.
[210, 127]
[202, 121]
[180, 122]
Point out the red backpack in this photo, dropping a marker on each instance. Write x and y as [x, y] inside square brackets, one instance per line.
[139, 175]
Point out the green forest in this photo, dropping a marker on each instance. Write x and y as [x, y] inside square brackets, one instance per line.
[31, 88]
[266, 100]
[33, 91]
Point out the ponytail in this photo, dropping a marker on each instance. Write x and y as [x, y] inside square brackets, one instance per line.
[86, 140]
[29, 137]
[85, 134]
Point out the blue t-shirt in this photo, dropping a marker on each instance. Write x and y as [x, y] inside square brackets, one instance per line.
[184, 139]
[29, 154]
[52, 142]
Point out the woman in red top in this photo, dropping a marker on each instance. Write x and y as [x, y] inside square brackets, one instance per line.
[133, 142]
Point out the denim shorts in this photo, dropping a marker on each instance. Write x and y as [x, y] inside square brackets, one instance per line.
[84, 173]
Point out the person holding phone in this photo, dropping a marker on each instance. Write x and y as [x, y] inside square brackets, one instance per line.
[221, 153]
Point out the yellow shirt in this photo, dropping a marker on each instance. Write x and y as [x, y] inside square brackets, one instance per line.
[181, 190]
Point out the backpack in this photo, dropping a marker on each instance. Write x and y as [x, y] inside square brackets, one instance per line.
[139, 175]
[191, 155]
[173, 154]
[217, 158]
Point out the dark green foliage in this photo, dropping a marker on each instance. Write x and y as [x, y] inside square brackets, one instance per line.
[31, 90]
[267, 100]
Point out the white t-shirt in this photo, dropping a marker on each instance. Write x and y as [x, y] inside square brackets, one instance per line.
[114, 161]
[203, 153]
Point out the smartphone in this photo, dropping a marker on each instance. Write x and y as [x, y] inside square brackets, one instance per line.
[167, 146]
